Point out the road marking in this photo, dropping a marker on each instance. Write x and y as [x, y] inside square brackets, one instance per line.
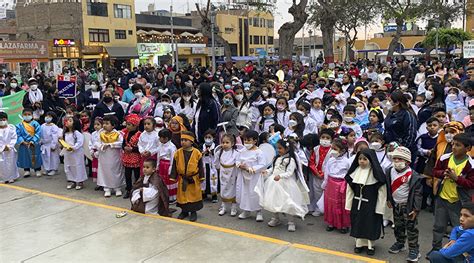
[200, 225]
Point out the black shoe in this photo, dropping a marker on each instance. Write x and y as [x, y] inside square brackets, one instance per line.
[343, 230]
[183, 215]
[358, 250]
[330, 228]
[99, 188]
[193, 217]
[371, 251]
[126, 195]
[214, 199]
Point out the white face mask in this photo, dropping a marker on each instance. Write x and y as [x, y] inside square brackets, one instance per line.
[13, 85]
[403, 87]
[429, 95]
[248, 146]
[333, 124]
[452, 97]
[333, 153]
[348, 118]
[388, 105]
[165, 103]
[399, 165]
[34, 87]
[301, 112]
[94, 87]
[239, 97]
[265, 93]
[138, 95]
[375, 146]
[48, 119]
[325, 143]
[449, 137]
[292, 123]
[208, 141]
[419, 103]
[3, 123]
[360, 110]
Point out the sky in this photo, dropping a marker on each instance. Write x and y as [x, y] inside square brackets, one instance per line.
[281, 14]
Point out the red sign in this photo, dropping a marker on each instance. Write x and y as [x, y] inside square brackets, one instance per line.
[34, 63]
[61, 42]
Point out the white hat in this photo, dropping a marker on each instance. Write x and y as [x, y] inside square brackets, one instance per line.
[402, 153]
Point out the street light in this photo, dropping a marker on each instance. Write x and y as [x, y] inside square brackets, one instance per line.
[175, 55]
[310, 46]
[436, 22]
[213, 22]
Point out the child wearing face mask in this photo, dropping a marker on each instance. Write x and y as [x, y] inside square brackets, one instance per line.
[317, 113]
[29, 151]
[283, 114]
[348, 120]
[318, 156]
[50, 133]
[310, 125]
[377, 143]
[166, 150]
[209, 185]
[454, 106]
[8, 157]
[268, 118]
[334, 185]
[405, 198]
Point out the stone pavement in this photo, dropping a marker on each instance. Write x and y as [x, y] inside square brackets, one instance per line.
[42, 227]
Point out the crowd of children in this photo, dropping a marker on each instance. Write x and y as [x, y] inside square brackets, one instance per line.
[358, 159]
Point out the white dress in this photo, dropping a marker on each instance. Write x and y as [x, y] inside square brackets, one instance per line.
[49, 144]
[109, 171]
[284, 196]
[310, 125]
[283, 118]
[225, 163]
[246, 196]
[148, 142]
[8, 158]
[94, 144]
[74, 166]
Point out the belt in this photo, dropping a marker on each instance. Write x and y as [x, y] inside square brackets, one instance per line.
[187, 179]
[227, 166]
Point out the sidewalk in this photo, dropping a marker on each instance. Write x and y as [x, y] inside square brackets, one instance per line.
[42, 227]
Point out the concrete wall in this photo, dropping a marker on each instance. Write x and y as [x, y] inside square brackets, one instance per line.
[47, 21]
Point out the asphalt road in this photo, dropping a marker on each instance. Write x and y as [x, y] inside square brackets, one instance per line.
[311, 231]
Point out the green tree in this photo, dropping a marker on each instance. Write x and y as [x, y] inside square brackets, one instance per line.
[447, 38]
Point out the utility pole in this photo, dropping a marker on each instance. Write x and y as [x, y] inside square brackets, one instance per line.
[437, 38]
[173, 51]
[213, 24]
[302, 43]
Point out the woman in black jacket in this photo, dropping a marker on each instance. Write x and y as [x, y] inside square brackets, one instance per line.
[107, 105]
[207, 112]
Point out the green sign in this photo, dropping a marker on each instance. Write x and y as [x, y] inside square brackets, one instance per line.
[13, 106]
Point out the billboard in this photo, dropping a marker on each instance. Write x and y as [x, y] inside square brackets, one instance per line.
[23, 49]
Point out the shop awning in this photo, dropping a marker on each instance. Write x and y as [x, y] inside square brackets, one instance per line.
[122, 52]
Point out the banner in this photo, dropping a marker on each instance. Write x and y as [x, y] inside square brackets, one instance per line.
[468, 49]
[66, 86]
[13, 106]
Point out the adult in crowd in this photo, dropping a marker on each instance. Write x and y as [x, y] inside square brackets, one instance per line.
[207, 112]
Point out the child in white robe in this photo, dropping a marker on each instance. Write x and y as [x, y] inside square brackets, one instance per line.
[166, 151]
[149, 140]
[9, 172]
[225, 159]
[209, 185]
[74, 166]
[50, 133]
[251, 163]
[94, 148]
[284, 189]
[109, 173]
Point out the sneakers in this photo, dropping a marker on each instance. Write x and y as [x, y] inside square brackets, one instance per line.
[214, 199]
[233, 210]
[222, 210]
[38, 174]
[79, 186]
[51, 173]
[413, 255]
[317, 213]
[274, 222]
[70, 186]
[27, 174]
[11, 181]
[126, 195]
[107, 193]
[291, 227]
[259, 217]
[244, 215]
[118, 193]
[396, 248]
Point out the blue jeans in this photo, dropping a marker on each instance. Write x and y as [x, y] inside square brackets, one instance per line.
[437, 257]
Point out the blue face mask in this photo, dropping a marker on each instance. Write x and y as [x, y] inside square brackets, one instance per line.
[27, 118]
[227, 86]
[227, 101]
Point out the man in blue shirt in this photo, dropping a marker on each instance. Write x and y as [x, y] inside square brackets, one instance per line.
[460, 247]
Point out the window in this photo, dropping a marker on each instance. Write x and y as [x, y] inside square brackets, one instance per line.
[120, 34]
[262, 22]
[256, 40]
[256, 21]
[270, 23]
[251, 40]
[122, 11]
[96, 9]
[65, 52]
[98, 35]
[270, 40]
[229, 30]
[130, 32]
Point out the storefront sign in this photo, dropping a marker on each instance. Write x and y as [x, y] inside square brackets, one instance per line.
[66, 86]
[198, 50]
[158, 49]
[23, 49]
[61, 42]
[34, 63]
[468, 49]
